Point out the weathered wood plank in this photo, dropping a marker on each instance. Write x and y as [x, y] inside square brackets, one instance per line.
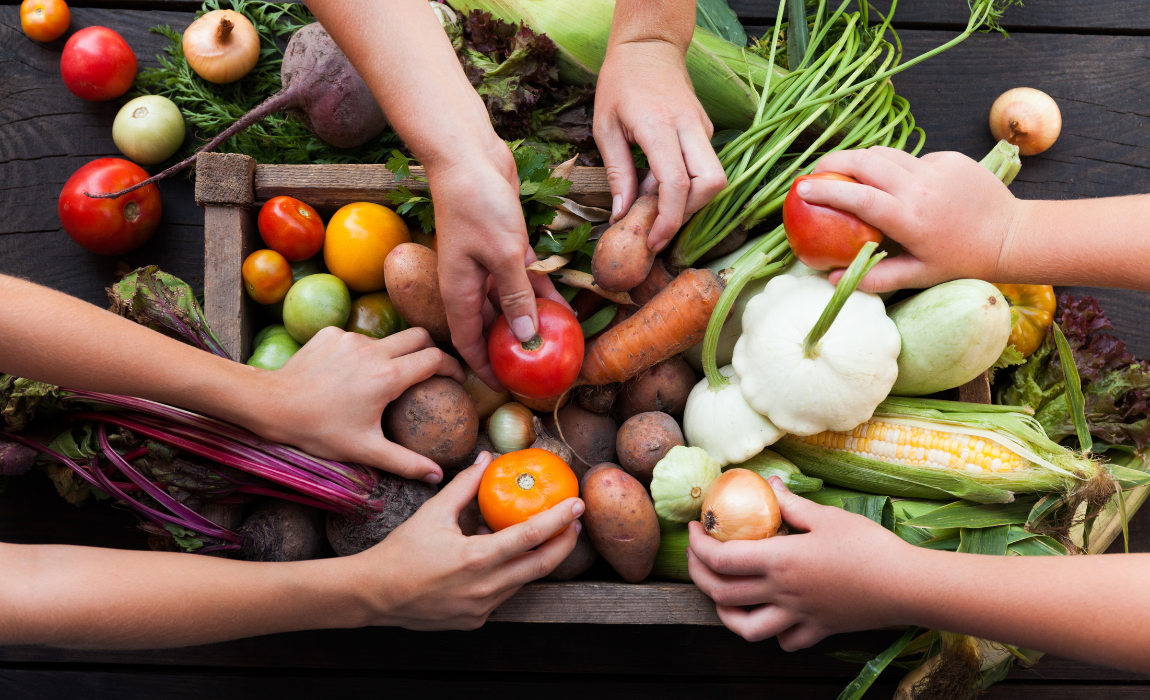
[594, 602]
[229, 237]
[335, 185]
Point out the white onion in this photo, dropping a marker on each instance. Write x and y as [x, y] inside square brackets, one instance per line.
[149, 129]
[740, 505]
[511, 428]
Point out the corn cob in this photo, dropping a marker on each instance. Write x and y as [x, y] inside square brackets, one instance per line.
[921, 448]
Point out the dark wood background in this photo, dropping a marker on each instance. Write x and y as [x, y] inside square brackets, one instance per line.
[1092, 57]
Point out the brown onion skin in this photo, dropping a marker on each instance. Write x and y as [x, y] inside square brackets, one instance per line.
[740, 505]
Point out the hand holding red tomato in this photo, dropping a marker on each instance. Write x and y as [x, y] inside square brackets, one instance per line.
[824, 238]
[545, 366]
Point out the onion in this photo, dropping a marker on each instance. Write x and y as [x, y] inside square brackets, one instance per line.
[222, 46]
[511, 428]
[149, 129]
[740, 505]
[1027, 118]
[486, 400]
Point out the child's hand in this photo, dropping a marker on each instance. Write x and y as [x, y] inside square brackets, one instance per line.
[951, 215]
[427, 575]
[837, 576]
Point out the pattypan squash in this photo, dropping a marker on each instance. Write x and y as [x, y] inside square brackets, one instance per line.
[806, 366]
[721, 422]
[680, 481]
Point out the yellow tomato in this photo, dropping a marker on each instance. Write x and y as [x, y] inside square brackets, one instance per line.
[358, 239]
[1033, 306]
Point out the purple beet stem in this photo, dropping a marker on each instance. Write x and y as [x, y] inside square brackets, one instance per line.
[285, 99]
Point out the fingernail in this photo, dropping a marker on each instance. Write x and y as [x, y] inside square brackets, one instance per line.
[523, 328]
[578, 509]
[661, 245]
[616, 205]
[803, 188]
[578, 527]
[433, 478]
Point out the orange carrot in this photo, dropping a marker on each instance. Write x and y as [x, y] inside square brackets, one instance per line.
[674, 320]
[657, 278]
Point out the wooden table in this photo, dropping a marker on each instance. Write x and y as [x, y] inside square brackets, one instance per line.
[1093, 58]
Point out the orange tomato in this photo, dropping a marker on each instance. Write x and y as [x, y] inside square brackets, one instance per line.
[358, 239]
[520, 484]
[267, 276]
[1033, 306]
[44, 20]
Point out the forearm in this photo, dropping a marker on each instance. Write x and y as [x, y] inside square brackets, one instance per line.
[1097, 242]
[99, 598]
[406, 59]
[669, 21]
[1085, 607]
[51, 337]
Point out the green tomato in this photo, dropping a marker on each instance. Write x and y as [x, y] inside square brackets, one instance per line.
[316, 302]
[303, 268]
[267, 332]
[149, 129]
[276, 350]
[374, 315]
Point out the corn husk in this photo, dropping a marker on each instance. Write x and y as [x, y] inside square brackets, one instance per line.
[1051, 468]
[719, 70]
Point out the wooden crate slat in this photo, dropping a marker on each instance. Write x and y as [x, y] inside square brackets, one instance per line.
[608, 603]
[336, 185]
[229, 236]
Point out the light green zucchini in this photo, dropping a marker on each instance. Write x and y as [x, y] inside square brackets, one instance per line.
[950, 334]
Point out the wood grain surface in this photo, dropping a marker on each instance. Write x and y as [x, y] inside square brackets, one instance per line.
[1092, 57]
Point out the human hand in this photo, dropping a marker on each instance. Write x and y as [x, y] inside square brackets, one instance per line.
[952, 216]
[644, 96]
[837, 576]
[329, 398]
[428, 576]
[483, 247]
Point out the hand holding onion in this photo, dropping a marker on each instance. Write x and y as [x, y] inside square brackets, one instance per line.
[740, 505]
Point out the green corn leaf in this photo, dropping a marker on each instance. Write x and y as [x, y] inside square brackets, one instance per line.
[798, 34]
[1128, 478]
[598, 321]
[717, 17]
[1045, 506]
[913, 535]
[975, 515]
[989, 540]
[942, 544]
[877, 508]
[874, 667]
[1037, 546]
[1073, 390]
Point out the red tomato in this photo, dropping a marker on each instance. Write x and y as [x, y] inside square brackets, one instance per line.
[824, 238]
[109, 226]
[97, 64]
[545, 366]
[291, 228]
[44, 20]
[267, 276]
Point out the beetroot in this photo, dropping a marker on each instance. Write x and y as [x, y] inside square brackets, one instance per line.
[320, 86]
[399, 497]
[15, 459]
[281, 530]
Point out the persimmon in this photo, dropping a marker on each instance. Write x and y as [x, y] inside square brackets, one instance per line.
[520, 484]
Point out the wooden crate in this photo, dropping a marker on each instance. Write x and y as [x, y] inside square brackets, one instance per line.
[228, 187]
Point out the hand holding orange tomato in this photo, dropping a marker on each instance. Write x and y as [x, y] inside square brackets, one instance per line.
[519, 485]
[427, 575]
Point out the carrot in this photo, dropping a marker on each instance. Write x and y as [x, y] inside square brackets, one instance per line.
[674, 320]
[657, 278]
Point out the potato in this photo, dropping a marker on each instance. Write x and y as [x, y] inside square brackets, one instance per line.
[657, 278]
[665, 387]
[621, 521]
[590, 435]
[597, 468]
[643, 440]
[598, 399]
[412, 278]
[622, 258]
[435, 418]
[579, 560]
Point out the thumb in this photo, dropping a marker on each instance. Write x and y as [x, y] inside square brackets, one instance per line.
[903, 271]
[621, 176]
[516, 296]
[796, 510]
[463, 488]
[383, 454]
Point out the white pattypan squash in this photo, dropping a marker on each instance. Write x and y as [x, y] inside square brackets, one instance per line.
[838, 383]
[680, 481]
[722, 423]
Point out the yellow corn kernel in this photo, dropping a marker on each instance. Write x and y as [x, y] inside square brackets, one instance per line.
[918, 447]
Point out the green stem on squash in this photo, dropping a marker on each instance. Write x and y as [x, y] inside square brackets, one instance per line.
[1003, 161]
[744, 271]
[862, 264]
